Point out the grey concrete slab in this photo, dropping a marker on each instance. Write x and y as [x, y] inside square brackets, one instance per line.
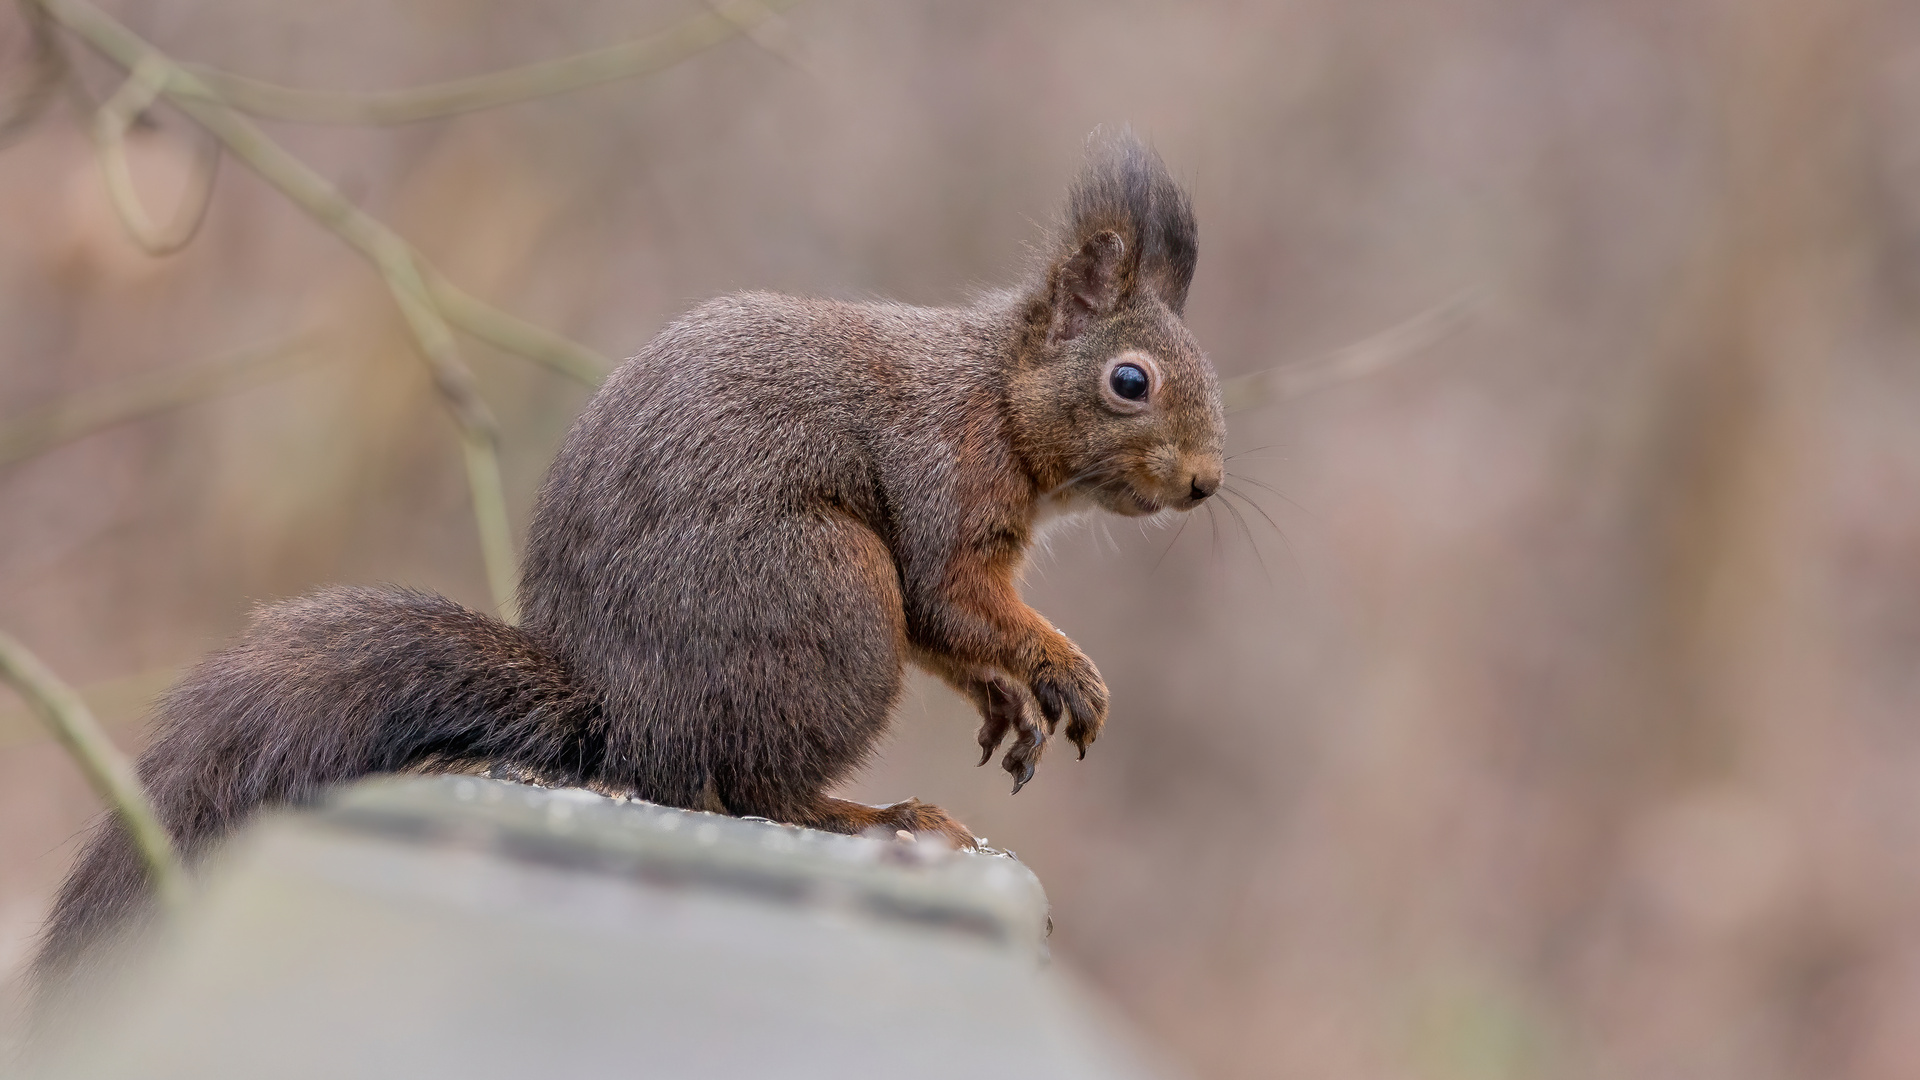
[465, 927]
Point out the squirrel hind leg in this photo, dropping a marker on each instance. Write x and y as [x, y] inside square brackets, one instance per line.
[795, 696]
[914, 816]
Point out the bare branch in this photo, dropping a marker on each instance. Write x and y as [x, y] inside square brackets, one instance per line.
[320, 199]
[110, 126]
[512, 334]
[627, 60]
[118, 704]
[106, 768]
[36, 432]
[479, 432]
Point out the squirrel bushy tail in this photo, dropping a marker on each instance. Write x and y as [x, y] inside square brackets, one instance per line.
[336, 685]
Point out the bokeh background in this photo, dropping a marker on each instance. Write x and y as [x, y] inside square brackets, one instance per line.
[1564, 720]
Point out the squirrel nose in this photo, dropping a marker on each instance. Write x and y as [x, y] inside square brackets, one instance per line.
[1201, 488]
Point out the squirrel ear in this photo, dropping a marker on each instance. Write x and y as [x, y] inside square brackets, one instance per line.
[1088, 285]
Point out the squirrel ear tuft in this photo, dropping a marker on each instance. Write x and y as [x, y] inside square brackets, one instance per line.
[1125, 188]
[1089, 285]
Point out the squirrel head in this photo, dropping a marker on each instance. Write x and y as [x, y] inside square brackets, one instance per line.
[1112, 400]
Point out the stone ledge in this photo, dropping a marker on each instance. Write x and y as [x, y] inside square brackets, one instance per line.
[462, 927]
[990, 894]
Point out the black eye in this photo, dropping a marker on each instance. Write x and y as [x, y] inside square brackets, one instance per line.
[1129, 382]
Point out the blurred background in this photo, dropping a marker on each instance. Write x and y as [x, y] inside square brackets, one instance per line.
[1564, 719]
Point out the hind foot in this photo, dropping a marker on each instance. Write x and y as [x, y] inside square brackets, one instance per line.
[913, 816]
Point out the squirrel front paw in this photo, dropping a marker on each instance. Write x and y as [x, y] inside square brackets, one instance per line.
[1003, 709]
[1069, 685]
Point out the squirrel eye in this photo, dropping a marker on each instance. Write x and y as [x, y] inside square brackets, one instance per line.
[1129, 382]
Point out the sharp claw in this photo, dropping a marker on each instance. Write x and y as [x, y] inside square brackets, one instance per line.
[992, 734]
[1019, 767]
[1026, 774]
[1083, 751]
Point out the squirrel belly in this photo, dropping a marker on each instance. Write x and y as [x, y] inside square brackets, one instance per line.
[754, 525]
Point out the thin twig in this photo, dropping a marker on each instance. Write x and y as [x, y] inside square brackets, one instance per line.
[512, 334]
[110, 124]
[479, 432]
[36, 432]
[1377, 353]
[46, 69]
[119, 704]
[627, 60]
[106, 768]
[320, 199]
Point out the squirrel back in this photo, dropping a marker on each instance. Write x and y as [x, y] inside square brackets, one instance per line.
[750, 530]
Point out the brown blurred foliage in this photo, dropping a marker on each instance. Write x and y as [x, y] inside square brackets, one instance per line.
[1563, 722]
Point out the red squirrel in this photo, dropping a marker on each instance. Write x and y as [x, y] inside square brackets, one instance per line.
[752, 527]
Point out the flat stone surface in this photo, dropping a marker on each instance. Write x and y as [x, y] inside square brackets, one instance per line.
[463, 927]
